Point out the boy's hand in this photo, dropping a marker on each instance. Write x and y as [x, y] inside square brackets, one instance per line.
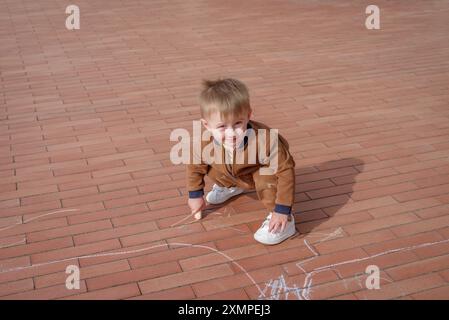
[196, 206]
[278, 222]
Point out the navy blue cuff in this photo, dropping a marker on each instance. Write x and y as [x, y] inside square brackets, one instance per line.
[196, 194]
[280, 208]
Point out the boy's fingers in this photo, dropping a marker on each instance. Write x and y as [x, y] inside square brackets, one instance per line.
[197, 210]
[202, 207]
[275, 227]
[281, 226]
[278, 227]
[198, 215]
[271, 226]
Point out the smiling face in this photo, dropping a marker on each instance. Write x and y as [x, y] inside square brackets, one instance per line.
[229, 131]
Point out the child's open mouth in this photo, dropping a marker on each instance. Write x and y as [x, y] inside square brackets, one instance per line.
[230, 140]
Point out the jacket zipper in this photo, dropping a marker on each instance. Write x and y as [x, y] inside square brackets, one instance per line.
[228, 167]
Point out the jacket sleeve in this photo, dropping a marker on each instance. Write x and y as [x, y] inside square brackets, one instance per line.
[285, 195]
[285, 173]
[195, 173]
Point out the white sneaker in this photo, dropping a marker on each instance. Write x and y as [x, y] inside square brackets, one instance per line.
[221, 194]
[263, 236]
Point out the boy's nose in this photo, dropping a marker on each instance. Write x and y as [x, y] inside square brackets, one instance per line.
[229, 133]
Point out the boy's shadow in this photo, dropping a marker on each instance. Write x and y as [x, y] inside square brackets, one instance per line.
[321, 191]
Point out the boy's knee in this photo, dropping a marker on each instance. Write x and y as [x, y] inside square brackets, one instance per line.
[262, 182]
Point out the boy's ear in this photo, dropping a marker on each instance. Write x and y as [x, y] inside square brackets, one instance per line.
[204, 122]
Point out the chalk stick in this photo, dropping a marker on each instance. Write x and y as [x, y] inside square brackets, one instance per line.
[198, 215]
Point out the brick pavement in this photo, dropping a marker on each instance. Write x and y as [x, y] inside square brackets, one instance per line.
[85, 175]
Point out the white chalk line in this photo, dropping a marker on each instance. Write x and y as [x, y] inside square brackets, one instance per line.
[23, 241]
[423, 245]
[307, 283]
[304, 292]
[136, 251]
[310, 248]
[34, 218]
[279, 287]
[197, 221]
[307, 289]
[335, 234]
[194, 221]
[236, 230]
[115, 253]
[309, 275]
[301, 293]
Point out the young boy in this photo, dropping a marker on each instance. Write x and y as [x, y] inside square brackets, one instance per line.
[226, 112]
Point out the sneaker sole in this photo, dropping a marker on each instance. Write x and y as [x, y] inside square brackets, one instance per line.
[274, 243]
[233, 195]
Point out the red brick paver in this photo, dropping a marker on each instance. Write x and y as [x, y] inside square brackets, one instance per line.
[85, 174]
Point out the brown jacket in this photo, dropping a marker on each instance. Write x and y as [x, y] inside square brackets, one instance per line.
[241, 173]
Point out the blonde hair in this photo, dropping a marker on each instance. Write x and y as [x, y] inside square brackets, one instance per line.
[229, 97]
